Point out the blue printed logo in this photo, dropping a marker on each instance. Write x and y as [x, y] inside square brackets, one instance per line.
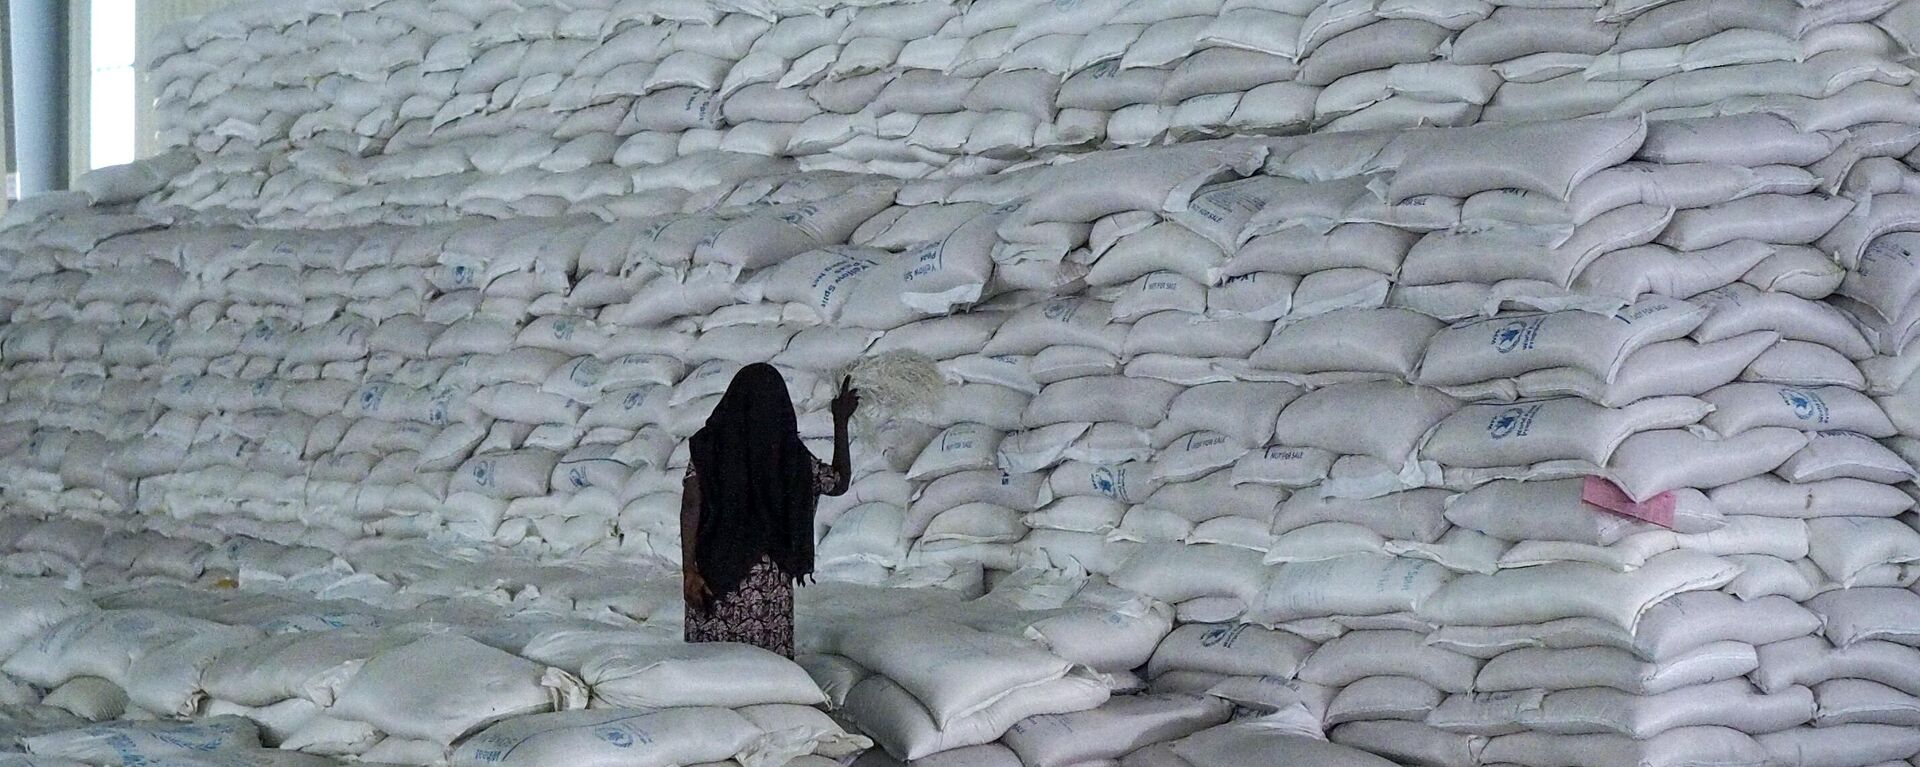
[483, 473]
[1103, 480]
[1512, 422]
[1806, 405]
[1518, 334]
[616, 737]
[1109, 482]
[1221, 636]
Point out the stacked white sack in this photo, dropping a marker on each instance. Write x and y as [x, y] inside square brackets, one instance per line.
[1858, 671]
[314, 682]
[1624, 379]
[530, 383]
[332, 679]
[401, 111]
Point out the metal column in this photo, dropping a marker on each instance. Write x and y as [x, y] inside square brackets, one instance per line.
[37, 31]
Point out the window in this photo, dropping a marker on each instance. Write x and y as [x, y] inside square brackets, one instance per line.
[111, 135]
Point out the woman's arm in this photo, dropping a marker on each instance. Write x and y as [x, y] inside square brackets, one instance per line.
[842, 463]
[843, 407]
[695, 587]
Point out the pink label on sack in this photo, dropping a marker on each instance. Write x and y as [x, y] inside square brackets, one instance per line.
[1658, 509]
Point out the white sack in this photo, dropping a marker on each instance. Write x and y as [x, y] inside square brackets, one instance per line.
[924, 656]
[898, 723]
[1324, 417]
[1113, 730]
[1489, 436]
[1549, 592]
[660, 738]
[1355, 585]
[1652, 462]
[465, 686]
[1539, 668]
[1361, 654]
[1595, 344]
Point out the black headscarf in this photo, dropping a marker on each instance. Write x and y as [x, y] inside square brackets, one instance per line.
[756, 483]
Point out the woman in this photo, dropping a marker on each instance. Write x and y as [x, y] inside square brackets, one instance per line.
[746, 511]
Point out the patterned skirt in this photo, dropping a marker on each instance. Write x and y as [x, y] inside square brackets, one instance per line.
[759, 612]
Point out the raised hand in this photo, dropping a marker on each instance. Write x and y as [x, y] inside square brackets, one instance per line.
[847, 401]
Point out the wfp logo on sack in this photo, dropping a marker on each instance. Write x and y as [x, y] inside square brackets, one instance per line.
[1806, 405]
[1109, 482]
[1060, 311]
[800, 215]
[437, 412]
[1512, 422]
[1518, 334]
[371, 396]
[483, 473]
[1222, 636]
[578, 478]
[616, 738]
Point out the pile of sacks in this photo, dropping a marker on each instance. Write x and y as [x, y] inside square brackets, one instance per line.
[344, 680]
[350, 113]
[1678, 369]
[568, 635]
[1717, 398]
[1567, 443]
[1273, 401]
